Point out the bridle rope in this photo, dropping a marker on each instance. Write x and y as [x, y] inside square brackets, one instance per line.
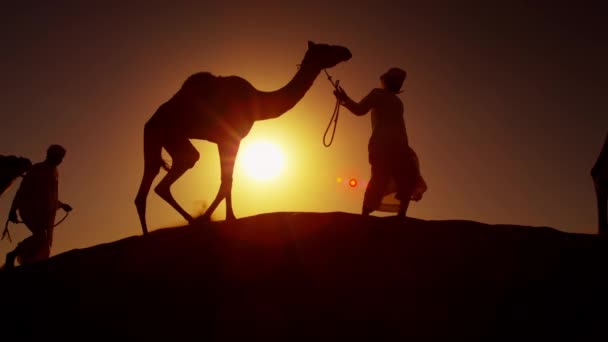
[336, 113]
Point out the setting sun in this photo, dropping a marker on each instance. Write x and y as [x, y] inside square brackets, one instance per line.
[261, 160]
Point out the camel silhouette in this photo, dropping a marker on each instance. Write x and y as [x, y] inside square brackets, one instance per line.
[12, 167]
[221, 110]
[599, 173]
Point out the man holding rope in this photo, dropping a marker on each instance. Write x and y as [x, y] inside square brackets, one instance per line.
[37, 202]
[390, 155]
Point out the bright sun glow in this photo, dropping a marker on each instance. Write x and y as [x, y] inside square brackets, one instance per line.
[261, 160]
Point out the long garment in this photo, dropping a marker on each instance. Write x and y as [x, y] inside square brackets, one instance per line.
[391, 199]
[392, 160]
[394, 174]
[37, 202]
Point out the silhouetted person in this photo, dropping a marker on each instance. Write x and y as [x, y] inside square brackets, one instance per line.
[599, 173]
[221, 110]
[12, 167]
[390, 156]
[37, 202]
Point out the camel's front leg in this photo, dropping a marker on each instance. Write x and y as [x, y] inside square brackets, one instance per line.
[228, 152]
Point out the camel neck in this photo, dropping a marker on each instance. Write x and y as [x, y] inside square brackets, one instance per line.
[275, 103]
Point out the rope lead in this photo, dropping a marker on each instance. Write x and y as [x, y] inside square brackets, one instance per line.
[334, 116]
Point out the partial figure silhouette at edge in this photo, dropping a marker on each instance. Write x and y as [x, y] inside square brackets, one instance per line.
[599, 174]
[394, 164]
[221, 110]
[37, 202]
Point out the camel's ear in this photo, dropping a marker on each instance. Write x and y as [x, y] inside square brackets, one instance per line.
[311, 44]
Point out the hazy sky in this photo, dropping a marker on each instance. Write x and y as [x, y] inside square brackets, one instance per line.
[505, 104]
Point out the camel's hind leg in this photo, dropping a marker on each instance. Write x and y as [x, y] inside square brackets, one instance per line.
[152, 164]
[184, 156]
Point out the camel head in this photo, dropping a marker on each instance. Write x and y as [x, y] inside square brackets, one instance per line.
[322, 56]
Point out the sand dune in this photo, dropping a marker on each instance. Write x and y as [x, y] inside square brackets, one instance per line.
[319, 276]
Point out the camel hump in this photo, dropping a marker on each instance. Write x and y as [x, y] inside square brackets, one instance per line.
[200, 81]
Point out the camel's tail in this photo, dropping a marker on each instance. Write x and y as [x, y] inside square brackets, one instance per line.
[165, 165]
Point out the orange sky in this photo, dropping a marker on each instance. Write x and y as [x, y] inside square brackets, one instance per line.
[503, 105]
